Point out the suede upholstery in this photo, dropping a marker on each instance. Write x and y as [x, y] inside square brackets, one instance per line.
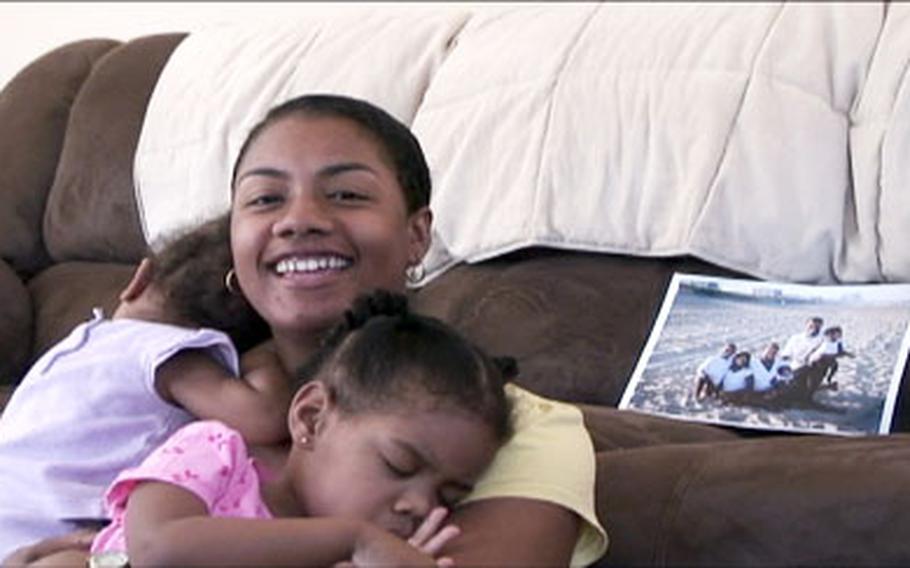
[794, 501]
[576, 321]
[15, 324]
[669, 492]
[35, 108]
[65, 294]
[108, 112]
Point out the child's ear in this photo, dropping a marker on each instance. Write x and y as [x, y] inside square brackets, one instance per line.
[309, 409]
[141, 279]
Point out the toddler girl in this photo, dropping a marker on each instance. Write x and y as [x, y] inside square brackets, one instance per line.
[101, 399]
[398, 417]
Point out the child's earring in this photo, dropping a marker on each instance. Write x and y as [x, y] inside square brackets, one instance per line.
[230, 282]
[305, 441]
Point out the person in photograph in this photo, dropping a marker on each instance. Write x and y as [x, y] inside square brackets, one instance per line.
[769, 370]
[800, 345]
[738, 383]
[827, 354]
[711, 371]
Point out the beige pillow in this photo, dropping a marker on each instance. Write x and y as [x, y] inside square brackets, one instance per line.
[711, 129]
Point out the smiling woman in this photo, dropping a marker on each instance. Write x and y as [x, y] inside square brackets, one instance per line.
[330, 202]
[310, 230]
[328, 180]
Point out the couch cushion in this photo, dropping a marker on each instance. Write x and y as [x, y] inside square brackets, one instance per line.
[576, 322]
[187, 150]
[6, 391]
[15, 325]
[91, 211]
[614, 429]
[787, 501]
[709, 129]
[65, 294]
[879, 146]
[34, 108]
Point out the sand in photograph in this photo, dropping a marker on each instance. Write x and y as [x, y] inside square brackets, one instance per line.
[699, 324]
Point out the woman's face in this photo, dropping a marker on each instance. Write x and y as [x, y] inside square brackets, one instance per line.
[318, 217]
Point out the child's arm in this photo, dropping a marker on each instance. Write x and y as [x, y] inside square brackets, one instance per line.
[842, 351]
[169, 525]
[256, 405]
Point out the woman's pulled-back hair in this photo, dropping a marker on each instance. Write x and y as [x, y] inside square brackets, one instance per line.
[397, 141]
[190, 271]
[383, 355]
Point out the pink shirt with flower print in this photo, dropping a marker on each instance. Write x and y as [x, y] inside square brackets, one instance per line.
[207, 458]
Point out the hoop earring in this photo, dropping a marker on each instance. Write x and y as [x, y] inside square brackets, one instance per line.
[415, 273]
[230, 282]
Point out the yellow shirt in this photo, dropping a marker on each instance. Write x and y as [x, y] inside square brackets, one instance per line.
[549, 457]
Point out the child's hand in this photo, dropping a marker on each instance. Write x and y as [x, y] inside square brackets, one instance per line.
[431, 536]
[377, 547]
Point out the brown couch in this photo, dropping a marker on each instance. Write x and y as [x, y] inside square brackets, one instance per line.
[669, 492]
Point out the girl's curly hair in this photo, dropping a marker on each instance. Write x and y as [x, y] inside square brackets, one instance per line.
[383, 354]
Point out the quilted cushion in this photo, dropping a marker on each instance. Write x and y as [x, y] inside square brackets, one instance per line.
[709, 129]
[222, 80]
[879, 146]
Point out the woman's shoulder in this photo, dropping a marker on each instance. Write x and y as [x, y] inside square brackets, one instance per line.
[531, 409]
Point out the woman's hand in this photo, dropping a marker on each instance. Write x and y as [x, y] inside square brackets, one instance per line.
[53, 551]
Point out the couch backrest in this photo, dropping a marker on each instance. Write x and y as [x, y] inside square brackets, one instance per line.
[734, 133]
[186, 151]
[766, 138]
[91, 212]
[34, 111]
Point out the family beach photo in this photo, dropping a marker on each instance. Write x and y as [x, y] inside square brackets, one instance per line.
[771, 356]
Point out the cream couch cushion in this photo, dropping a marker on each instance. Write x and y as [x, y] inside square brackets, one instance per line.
[880, 146]
[712, 129]
[220, 81]
[760, 137]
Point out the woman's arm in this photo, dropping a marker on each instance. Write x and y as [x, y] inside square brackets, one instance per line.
[256, 405]
[535, 505]
[510, 531]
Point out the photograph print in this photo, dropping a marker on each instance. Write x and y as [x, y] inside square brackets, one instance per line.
[773, 356]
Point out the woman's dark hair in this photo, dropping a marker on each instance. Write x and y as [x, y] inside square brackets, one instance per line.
[383, 355]
[190, 272]
[397, 141]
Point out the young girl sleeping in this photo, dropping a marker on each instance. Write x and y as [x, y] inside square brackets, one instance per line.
[397, 418]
